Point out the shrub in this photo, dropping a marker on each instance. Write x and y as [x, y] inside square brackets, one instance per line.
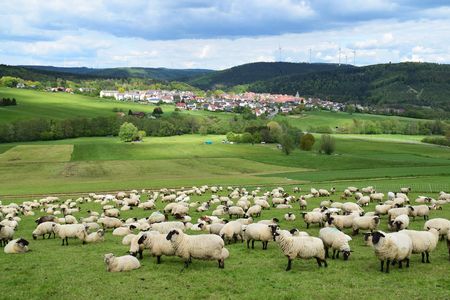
[128, 132]
[327, 144]
[307, 142]
[437, 141]
[287, 144]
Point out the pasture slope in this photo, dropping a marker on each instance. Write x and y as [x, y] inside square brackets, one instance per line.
[100, 164]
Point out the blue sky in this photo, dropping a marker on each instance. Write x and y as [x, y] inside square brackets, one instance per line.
[218, 34]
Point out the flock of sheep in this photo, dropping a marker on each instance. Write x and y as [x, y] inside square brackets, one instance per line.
[164, 237]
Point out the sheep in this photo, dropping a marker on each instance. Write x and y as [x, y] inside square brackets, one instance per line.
[420, 211]
[423, 241]
[157, 217]
[336, 240]
[259, 232]
[43, 219]
[405, 190]
[365, 222]
[441, 224]
[124, 230]
[70, 230]
[368, 190]
[342, 222]
[91, 226]
[202, 246]
[16, 246]
[263, 203]
[304, 247]
[269, 222]
[313, 218]
[216, 228]
[121, 263]
[6, 234]
[326, 203]
[69, 219]
[353, 189]
[150, 204]
[382, 209]
[314, 192]
[112, 212]
[349, 207]
[10, 222]
[254, 211]
[324, 193]
[198, 227]
[303, 203]
[389, 247]
[231, 231]
[400, 222]
[397, 211]
[283, 206]
[98, 236]
[128, 238]
[157, 244]
[43, 229]
[108, 222]
[289, 216]
[377, 197]
[235, 211]
[363, 201]
[166, 227]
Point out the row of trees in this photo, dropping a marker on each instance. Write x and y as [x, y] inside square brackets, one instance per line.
[8, 102]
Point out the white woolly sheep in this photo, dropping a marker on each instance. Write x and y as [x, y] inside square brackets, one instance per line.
[283, 206]
[6, 234]
[16, 246]
[377, 197]
[303, 203]
[363, 201]
[235, 211]
[423, 242]
[290, 216]
[123, 230]
[157, 244]
[391, 247]
[254, 211]
[156, 217]
[202, 246]
[397, 211]
[440, 224]
[324, 193]
[405, 190]
[365, 222]
[231, 231]
[420, 211]
[269, 222]
[70, 231]
[313, 217]
[166, 227]
[112, 212]
[337, 240]
[382, 209]
[121, 263]
[94, 237]
[349, 207]
[128, 238]
[216, 228]
[304, 247]
[400, 222]
[108, 222]
[342, 222]
[263, 203]
[43, 229]
[259, 232]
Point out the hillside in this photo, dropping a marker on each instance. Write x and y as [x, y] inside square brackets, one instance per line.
[390, 85]
[258, 71]
[153, 73]
[49, 73]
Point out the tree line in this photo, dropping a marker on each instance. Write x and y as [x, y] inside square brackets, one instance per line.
[8, 102]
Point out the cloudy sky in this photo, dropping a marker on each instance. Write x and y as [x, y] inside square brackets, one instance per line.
[218, 34]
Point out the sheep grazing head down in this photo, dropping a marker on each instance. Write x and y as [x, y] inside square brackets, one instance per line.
[142, 239]
[173, 233]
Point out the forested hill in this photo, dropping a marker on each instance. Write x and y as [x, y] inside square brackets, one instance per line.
[249, 73]
[392, 85]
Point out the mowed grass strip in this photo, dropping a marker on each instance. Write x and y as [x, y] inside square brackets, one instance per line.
[37, 153]
[78, 271]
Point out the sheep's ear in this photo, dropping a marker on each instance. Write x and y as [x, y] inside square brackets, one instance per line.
[428, 228]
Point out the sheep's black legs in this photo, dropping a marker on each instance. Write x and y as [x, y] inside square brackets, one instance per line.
[318, 261]
[253, 244]
[248, 244]
[289, 264]
[400, 264]
[158, 259]
[423, 257]
[388, 262]
[326, 253]
[428, 257]
[407, 262]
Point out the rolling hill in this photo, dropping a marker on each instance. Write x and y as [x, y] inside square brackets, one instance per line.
[259, 71]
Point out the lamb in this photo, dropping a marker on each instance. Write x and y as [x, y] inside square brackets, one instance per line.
[70, 230]
[231, 231]
[304, 247]
[440, 224]
[336, 240]
[423, 241]
[98, 236]
[235, 211]
[391, 247]
[303, 203]
[157, 244]
[166, 227]
[313, 217]
[259, 232]
[400, 222]
[6, 234]
[289, 216]
[43, 229]
[202, 246]
[121, 263]
[16, 246]
[365, 222]
[124, 230]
